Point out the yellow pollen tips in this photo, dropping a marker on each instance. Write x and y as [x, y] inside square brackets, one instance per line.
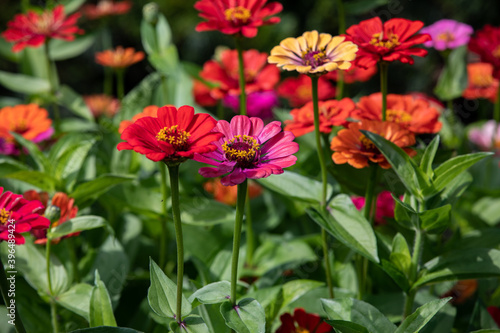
[446, 36]
[481, 80]
[367, 143]
[4, 216]
[174, 136]
[237, 14]
[302, 330]
[241, 148]
[496, 52]
[398, 116]
[391, 41]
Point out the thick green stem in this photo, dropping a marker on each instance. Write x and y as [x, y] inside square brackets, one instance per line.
[164, 217]
[174, 188]
[120, 83]
[322, 163]
[496, 111]
[249, 232]
[241, 67]
[53, 308]
[53, 314]
[4, 288]
[418, 247]
[53, 81]
[383, 87]
[341, 16]
[240, 209]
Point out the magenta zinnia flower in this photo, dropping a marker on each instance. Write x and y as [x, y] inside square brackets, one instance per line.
[25, 213]
[447, 34]
[249, 149]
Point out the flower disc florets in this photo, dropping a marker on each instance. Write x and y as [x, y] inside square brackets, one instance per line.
[242, 149]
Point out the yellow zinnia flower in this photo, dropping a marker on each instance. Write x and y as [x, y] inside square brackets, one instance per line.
[313, 53]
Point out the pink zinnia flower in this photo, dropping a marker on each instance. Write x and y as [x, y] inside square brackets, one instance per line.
[447, 34]
[25, 213]
[249, 149]
[259, 104]
[31, 29]
[385, 206]
[486, 137]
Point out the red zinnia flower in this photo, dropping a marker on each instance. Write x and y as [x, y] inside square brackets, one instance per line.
[414, 114]
[354, 74]
[248, 149]
[106, 8]
[60, 200]
[25, 213]
[302, 322]
[331, 113]
[494, 312]
[241, 17]
[391, 41]
[202, 94]
[102, 104]
[486, 43]
[172, 137]
[31, 29]
[119, 58]
[481, 82]
[353, 147]
[148, 111]
[298, 90]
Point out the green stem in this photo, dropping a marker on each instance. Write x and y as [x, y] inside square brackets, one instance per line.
[4, 288]
[164, 219]
[120, 83]
[418, 247]
[174, 187]
[108, 81]
[53, 81]
[240, 209]
[164, 87]
[249, 232]
[25, 5]
[341, 16]
[496, 111]
[241, 67]
[328, 269]
[47, 259]
[220, 110]
[340, 85]
[53, 314]
[383, 87]
[53, 308]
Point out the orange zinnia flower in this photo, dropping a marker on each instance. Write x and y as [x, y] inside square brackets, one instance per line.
[331, 113]
[101, 105]
[298, 90]
[414, 114]
[228, 194]
[481, 82]
[105, 8]
[313, 53]
[353, 147]
[31, 121]
[119, 58]
[32, 29]
[148, 111]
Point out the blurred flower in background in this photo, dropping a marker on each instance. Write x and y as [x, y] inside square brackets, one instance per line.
[28, 120]
[237, 17]
[385, 206]
[119, 58]
[303, 322]
[487, 136]
[354, 74]
[447, 34]
[148, 111]
[102, 105]
[481, 82]
[461, 291]
[298, 90]
[259, 103]
[32, 29]
[228, 194]
[486, 43]
[105, 8]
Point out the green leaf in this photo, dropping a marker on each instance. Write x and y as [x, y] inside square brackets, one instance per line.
[487, 209]
[190, 324]
[343, 326]
[202, 211]
[213, 293]
[106, 329]
[293, 290]
[435, 220]
[166, 61]
[24, 84]
[101, 311]
[163, 33]
[461, 264]
[162, 294]
[10, 165]
[358, 312]
[68, 98]
[486, 331]
[358, 7]
[247, 317]
[36, 178]
[428, 157]
[69, 165]
[94, 188]
[137, 98]
[61, 49]
[453, 79]
[148, 37]
[400, 254]
[77, 299]
[417, 320]
[348, 225]
[449, 170]
[34, 152]
[77, 224]
[71, 6]
[412, 177]
[295, 186]
[396, 274]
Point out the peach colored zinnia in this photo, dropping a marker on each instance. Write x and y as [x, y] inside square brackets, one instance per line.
[481, 82]
[353, 147]
[106, 8]
[119, 58]
[102, 105]
[229, 194]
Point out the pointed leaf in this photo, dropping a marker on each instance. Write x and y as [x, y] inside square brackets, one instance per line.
[428, 157]
[417, 320]
[344, 326]
[106, 329]
[453, 78]
[77, 224]
[101, 311]
[400, 254]
[41, 161]
[435, 220]
[24, 84]
[213, 293]
[247, 317]
[94, 188]
[77, 299]
[62, 49]
[190, 324]
[74, 102]
[396, 274]
[38, 179]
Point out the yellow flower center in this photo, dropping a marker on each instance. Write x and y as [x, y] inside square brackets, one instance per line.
[390, 41]
[242, 149]
[398, 116]
[482, 80]
[367, 143]
[304, 92]
[446, 36]
[176, 137]
[4, 216]
[302, 330]
[496, 52]
[238, 13]
[314, 58]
